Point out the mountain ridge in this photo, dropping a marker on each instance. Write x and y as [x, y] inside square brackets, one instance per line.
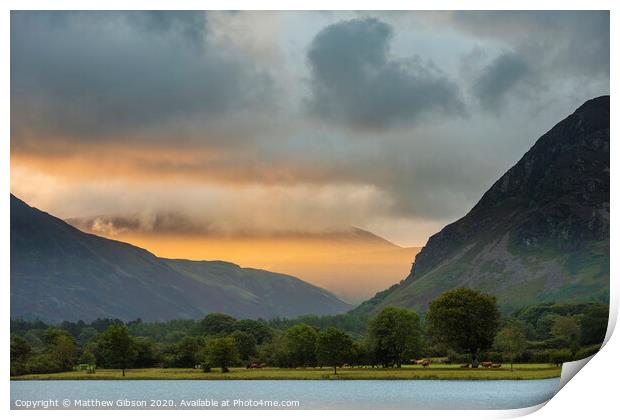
[349, 261]
[61, 273]
[540, 233]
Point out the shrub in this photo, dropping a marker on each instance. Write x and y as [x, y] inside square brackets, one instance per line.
[538, 356]
[43, 363]
[458, 358]
[18, 368]
[560, 356]
[494, 356]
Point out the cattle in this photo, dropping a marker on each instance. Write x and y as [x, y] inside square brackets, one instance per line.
[496, 365]
[465, 366]
[262, 365]
[486, 364]
[422, 362]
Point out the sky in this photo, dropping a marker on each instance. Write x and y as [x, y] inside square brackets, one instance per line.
[267, 123]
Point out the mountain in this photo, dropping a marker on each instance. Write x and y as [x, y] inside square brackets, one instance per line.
[351, 262]
[61, 273]
[539, 234]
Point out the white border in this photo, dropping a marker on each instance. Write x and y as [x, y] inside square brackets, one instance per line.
[592, 395]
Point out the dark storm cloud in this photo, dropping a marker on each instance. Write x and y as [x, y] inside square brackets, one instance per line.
[355, 80]
[90, 74]
[222, 102]
[498, 78]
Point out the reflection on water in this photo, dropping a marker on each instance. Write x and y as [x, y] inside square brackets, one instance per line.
[187, 394]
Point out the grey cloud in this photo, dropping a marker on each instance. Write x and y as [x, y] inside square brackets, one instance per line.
[113, 74]
[545, 48]
[88, 74]
[356, 81]
[498, 78]
[148, 222]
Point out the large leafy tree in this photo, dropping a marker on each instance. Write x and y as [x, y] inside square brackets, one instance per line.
[334, 347]
[258, 328]
[300, 344]
[395, 335]
[147, 352]
[246, 344]
[511, 340]
[221, 352]
[188, 352]
[20, 352]
[465, 320]
[117, 348]
[566, 329]
[217, 324]
[61, 348]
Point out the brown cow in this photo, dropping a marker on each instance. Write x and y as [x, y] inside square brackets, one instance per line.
[486, 364]
[465, 366]
[262, 365]
[496, 365]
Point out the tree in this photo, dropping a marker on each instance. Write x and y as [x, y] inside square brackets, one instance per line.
[61, 348]
[395, 335]
[20, 352]
[360, 354]
[334, 347]
[221, 352]
[465, 320]
[594, 324]
[187, 352]
[511, 339]
[117, 348]
[559, 356]
[566, 329]
[544, 325]
[146, 352]
[217, 324]
[300, 345]
[258, 328]
[43, 363]
[246, 344]
[87, 358]
[86, 334]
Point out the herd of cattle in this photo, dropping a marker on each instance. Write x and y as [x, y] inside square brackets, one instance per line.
[426, 362]
[256, 366]
[421, 362]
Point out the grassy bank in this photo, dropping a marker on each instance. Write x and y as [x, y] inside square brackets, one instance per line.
[521, 371]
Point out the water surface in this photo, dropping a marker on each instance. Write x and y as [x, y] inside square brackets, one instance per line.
[354, 394]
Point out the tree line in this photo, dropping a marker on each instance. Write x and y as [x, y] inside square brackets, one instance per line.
[460, 326]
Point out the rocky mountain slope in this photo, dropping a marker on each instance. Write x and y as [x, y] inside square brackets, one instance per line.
[540, 233]
[60, 273]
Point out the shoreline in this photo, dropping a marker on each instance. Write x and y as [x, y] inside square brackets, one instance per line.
[347, 374]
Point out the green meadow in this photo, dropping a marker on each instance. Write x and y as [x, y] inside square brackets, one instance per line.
[439, 371]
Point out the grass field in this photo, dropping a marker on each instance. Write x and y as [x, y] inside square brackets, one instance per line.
[521, 371]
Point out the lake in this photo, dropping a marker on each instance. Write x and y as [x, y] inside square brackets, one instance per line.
[355, 394]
